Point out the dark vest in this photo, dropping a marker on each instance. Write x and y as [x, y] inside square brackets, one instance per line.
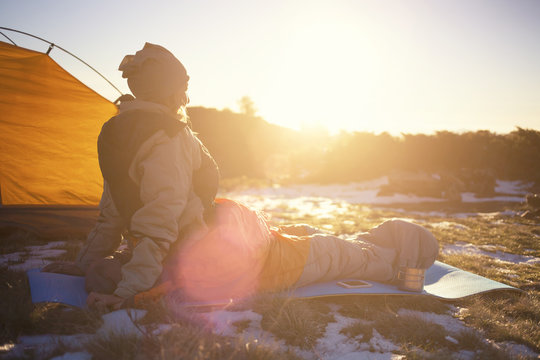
[119, 141]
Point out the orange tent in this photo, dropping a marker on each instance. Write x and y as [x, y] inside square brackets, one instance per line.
[49, 123]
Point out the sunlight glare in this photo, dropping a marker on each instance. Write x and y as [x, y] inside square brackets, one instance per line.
[334, 75]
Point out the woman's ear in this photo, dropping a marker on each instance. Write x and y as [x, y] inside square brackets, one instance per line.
[184, 98]
[180, 99]
[176, 101]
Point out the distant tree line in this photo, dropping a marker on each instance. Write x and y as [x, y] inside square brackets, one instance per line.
[246, 145]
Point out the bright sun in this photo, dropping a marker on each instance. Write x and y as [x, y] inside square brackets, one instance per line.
[334, 76]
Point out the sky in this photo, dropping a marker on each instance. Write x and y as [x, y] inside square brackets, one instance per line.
[397, 66]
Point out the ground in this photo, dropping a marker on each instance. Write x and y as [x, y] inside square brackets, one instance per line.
[487, 236]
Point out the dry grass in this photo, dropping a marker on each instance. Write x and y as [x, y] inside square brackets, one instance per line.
[409, 330]
[184, 339]
[15, 305]
[498, 317]
[58, 319]
[241, 325]
[15, 240]
[189, 341]
[370, 307]
[298, 322]
[507, 318]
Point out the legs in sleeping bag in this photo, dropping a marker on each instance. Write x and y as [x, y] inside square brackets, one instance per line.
[225, 264]
[375, 255]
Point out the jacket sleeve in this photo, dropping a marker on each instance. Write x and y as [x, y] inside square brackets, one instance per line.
[105, 237]
[165, 175]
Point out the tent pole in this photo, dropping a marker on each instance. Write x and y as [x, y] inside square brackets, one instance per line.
[64, 50]
[49, 49]
[8, 38]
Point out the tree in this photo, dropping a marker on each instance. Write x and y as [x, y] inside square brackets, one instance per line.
[247, 106]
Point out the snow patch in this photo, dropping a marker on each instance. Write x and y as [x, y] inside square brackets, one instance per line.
[449, 225]
[493, 215]
[519, 350]
[333, 344]
[34, 257]
[323, 195]
[512, 187]
[381, 344]
[450, 323]
[50, 245]
[42, 346]
[491, 251]
[466, 355]
[328, 200]
[487, 216]
[221, 322]
[368, 355]
[366, 192]
[468, 197]
[121, 322]
[29, 264]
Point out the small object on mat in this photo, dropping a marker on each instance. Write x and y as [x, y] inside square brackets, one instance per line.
[411, 279]
[353, 284]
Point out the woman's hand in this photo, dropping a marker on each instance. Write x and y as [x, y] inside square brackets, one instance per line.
[63, 267]
[103, 301]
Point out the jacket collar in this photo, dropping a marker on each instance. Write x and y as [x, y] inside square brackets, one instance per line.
[138, 105]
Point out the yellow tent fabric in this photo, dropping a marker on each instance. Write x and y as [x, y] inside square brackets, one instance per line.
[49, 124]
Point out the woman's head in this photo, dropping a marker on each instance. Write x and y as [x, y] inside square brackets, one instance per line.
[155, 74]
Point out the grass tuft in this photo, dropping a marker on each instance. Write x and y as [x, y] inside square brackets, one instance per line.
[507, 318]
[412, 330]
[190, 341]
[361, 328]
[15, 305]
[53, 318]
[371, 307]
[15, 239]
[114, 346]
[298, 322]
[241, 325]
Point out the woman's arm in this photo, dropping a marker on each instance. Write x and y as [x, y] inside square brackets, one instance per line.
[106, 235]
[165, 185]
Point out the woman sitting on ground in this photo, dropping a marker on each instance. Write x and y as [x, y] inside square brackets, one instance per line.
[159, 190]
